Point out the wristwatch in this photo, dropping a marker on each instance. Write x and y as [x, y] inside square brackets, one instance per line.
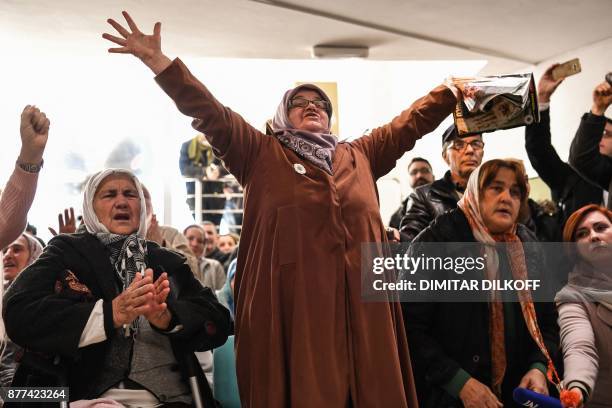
[30, 167]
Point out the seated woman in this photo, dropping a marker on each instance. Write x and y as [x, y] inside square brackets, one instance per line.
[585, 307]
[475, 353]
[123, 314]
[16, 257]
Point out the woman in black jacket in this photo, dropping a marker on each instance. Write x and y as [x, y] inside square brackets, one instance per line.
[474, 353]
[123, 314]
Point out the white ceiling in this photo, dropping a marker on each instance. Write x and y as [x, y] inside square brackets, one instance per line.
[509, 34]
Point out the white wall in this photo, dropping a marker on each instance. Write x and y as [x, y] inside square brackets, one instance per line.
[574, 96]
[95, 101]
[571, 100]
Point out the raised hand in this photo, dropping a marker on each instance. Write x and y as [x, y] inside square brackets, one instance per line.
[602, 98]
[547, 85]
[145, 47]
[154, 232]
[67, 222]
[34, 134]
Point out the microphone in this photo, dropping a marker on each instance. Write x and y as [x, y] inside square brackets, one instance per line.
[532, 399]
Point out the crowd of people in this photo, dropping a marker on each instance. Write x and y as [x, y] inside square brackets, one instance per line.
[126, 312]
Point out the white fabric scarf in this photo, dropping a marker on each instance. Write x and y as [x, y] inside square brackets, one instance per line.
[127, 252]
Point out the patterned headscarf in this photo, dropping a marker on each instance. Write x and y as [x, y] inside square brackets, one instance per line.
[470, 205]
[317, 148]
[127, 252]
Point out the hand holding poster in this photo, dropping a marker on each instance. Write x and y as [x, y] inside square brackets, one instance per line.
[491, 103]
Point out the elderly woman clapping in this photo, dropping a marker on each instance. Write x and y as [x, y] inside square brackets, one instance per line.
[120, 311]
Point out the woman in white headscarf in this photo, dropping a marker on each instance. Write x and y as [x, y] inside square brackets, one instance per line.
[16, 257]
[120, 311]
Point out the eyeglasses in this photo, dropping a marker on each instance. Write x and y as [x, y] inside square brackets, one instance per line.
[299, 102]
[607, 133]
[460, 145]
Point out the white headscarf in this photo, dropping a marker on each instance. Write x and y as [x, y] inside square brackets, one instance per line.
[90, 218]
[34, 246]
[35, 249]
[127, 252]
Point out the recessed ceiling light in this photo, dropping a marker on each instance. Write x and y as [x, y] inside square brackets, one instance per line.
[339, 51]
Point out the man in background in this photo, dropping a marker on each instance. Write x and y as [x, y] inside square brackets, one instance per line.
[569, 190]
[462, 154]
[419, 174]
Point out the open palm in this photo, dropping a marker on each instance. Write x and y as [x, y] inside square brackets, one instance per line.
[145, 47]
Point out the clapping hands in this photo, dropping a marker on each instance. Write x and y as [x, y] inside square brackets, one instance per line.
[144, 298]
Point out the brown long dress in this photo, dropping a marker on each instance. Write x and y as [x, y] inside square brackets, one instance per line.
[304, 337]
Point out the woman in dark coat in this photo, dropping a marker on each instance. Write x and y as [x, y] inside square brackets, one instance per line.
[122, 313]
[472, 353]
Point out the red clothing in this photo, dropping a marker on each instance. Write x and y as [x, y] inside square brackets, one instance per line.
[304, 337]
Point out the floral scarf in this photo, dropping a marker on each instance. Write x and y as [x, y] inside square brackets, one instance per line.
[317, 148]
